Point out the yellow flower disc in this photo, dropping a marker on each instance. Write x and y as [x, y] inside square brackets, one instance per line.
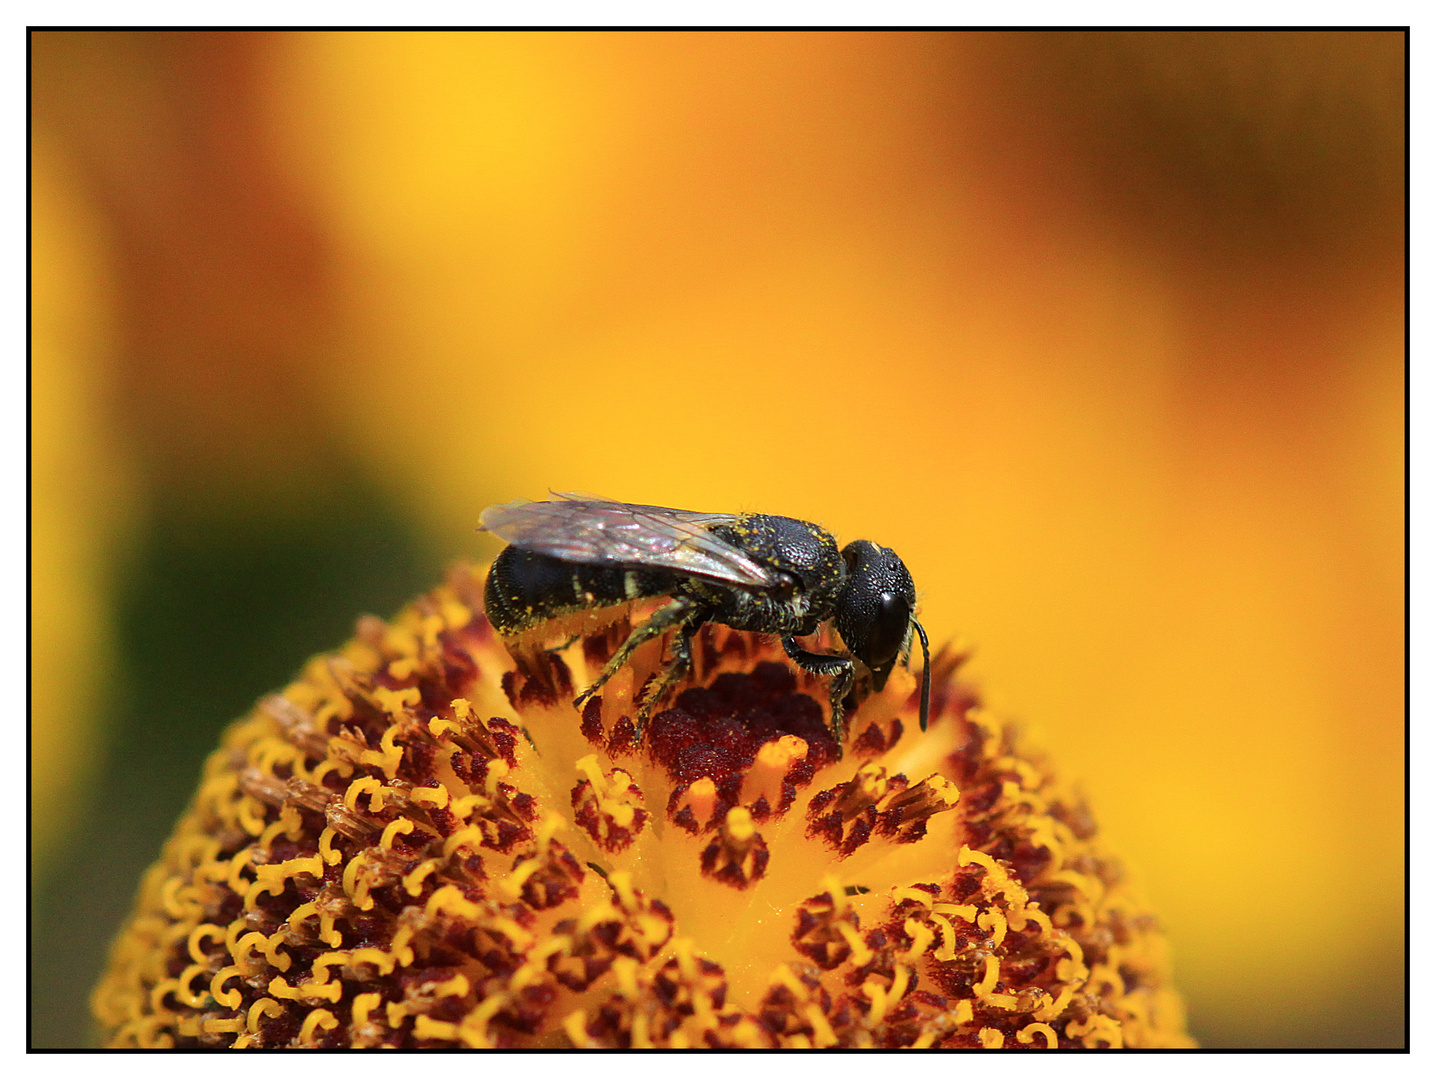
[421, 843]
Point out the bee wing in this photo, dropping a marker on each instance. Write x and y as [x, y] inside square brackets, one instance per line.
[584, 529]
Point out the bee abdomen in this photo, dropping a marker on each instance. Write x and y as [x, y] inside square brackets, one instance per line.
[525, 588]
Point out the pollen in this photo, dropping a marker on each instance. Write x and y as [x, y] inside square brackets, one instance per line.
[422, 843]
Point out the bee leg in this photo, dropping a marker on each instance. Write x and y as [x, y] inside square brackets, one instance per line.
[665, 618]
[837, 668]
[680, 664]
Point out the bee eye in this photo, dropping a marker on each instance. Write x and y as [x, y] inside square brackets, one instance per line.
[889, 627]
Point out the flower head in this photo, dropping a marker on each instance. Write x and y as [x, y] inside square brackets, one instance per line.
[419, 843]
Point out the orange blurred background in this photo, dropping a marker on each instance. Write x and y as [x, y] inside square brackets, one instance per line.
[1103, 332]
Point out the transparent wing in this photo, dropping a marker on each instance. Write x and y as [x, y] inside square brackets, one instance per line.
[585, 529]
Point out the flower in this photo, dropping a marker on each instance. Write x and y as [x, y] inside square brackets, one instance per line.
[421, 843]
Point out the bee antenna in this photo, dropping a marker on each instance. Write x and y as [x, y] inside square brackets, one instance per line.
[926, 676]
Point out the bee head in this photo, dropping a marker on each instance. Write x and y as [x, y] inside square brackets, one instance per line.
[875, 609]
[875, 612]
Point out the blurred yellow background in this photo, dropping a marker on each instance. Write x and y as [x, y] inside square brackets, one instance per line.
[1103, 332]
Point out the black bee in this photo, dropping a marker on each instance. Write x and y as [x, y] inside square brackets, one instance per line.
[756, 572]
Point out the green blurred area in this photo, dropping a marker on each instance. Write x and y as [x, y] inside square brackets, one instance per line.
[218, 605]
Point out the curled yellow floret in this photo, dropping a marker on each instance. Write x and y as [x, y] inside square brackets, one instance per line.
[418, 843]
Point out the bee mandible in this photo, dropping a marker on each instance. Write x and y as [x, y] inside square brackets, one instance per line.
[754, 572]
